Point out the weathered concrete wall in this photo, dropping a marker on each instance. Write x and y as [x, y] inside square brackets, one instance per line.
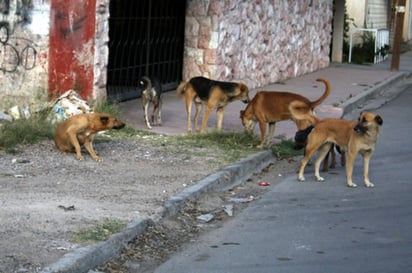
[257, 42]
[24, 46]
[101, 52]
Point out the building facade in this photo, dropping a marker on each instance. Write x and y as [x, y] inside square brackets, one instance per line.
[51, 46]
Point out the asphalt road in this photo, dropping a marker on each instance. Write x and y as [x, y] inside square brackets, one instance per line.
[322, 226]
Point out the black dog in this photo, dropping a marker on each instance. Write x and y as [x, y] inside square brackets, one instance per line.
[151, 92]
[301, 138]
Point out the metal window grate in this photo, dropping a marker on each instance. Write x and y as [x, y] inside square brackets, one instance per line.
[146, 38]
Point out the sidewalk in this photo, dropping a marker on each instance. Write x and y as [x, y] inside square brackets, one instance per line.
[348, 81]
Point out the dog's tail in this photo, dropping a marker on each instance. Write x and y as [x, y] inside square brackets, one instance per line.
[146, 83]
[181, 89]
[315, 103]
[301, 111]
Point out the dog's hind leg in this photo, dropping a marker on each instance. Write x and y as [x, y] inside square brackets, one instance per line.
[309, 151]
[323, 151]
[75, 142]
[159, 113]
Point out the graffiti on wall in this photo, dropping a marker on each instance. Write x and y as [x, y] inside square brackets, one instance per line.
[16, 51]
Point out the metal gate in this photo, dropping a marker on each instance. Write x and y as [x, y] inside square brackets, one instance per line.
[146, 38]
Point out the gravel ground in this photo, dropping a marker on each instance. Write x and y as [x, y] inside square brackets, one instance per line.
[47, 195]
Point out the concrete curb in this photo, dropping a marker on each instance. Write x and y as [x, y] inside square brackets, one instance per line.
[86, 258]
[352, 103]
[224, 179]
[89, 257]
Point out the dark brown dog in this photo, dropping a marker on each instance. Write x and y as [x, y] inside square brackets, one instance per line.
[270, 107]
[353, 136]
[80, 130]
[214, 94]
[151, 93]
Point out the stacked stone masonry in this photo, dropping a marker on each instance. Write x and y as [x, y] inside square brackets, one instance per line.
[257, 42]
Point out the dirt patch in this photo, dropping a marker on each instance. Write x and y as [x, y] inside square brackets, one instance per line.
[132, 182]
[160, 241]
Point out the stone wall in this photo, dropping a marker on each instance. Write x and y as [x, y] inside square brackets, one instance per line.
[257, 42]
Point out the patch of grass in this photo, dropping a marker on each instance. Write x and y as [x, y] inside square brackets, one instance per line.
[285, 149]
[227, 146]
[98, 233]
[25, 131]
[103, 106]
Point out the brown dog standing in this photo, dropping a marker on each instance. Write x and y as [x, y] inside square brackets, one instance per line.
[353, 136]
[80, 130]
[270, 107]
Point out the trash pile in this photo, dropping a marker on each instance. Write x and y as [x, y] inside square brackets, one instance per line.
[67, 105]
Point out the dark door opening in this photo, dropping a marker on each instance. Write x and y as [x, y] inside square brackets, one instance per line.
[146, 38]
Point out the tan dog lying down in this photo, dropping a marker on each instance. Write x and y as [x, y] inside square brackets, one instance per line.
[80, 130]
[353, 136]
[271, 107]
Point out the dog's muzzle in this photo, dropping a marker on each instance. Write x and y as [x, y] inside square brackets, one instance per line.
[121, 126]
[359, 129]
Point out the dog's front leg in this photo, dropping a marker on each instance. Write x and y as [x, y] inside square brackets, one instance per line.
[206, 116]
[189, 114]
[271, 133]
[349, 169]
[262, 126]
[146, 118]
[366, 160]
[220, 113]
[89, 147]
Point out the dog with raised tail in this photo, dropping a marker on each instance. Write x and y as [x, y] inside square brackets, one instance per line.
[269, 107]
[151, 93]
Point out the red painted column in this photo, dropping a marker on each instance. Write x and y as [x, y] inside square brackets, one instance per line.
[71, 53]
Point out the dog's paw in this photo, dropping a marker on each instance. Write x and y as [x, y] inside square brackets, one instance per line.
[80, 158]
[301, 178]
[369, 185]
[352, 185]
[320, 179]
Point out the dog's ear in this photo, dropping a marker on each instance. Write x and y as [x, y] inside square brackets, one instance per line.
[379, 120]
[104, 119]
